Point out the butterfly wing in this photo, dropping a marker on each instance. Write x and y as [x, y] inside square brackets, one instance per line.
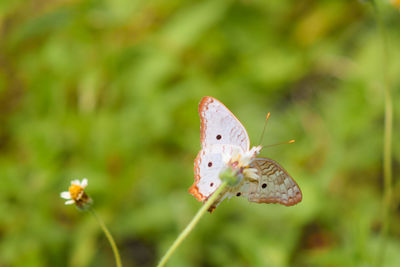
[221, 133]
[220, 126]
[207, 166]
[274, 185]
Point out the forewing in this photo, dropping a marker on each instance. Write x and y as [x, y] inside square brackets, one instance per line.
[220, 126]
[274, 185]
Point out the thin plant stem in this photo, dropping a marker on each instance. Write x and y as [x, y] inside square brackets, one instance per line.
[387, 137]
[191, 225]
[109, 237]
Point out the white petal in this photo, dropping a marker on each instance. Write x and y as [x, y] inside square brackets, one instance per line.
[233, 156]
[245, 161]
[254, 151]
[65, 195]
[76, 182]
[69, 202]
[84, 182]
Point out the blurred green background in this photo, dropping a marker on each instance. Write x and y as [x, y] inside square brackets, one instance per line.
[109, 89]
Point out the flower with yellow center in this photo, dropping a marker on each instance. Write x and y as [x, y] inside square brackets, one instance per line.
[76, 194]
[395, 3]
[240, 161]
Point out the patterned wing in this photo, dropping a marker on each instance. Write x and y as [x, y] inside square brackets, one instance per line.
[220, 126]
[207, 166]
[274, 185]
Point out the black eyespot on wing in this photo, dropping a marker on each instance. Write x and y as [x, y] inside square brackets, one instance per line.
[219, 137]
[211, 184]
[210, 164]
[238, 194]
[264, 185]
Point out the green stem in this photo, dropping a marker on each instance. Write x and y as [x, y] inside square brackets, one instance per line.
[191, 225]
[387, 138]
[109, 237]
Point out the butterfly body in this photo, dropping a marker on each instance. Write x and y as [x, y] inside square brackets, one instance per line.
[225, 142]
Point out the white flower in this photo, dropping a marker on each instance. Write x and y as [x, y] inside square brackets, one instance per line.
[241, 161]
[76, 193]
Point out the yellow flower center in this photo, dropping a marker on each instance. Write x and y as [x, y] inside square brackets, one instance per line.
[76, 191]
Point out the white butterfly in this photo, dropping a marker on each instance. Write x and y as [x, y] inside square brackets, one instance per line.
[224, 141]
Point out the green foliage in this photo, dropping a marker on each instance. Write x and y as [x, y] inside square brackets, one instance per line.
[109, 90]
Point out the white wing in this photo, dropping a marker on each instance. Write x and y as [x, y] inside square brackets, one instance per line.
[221, 133]
[220, 126]
[207, 166]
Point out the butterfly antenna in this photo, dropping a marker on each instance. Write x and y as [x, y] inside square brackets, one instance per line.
[265, 125]
[284, 143]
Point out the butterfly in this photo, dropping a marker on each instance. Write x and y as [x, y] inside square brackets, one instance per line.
[224, 141]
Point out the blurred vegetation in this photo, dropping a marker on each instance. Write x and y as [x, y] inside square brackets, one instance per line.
[108, 90]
